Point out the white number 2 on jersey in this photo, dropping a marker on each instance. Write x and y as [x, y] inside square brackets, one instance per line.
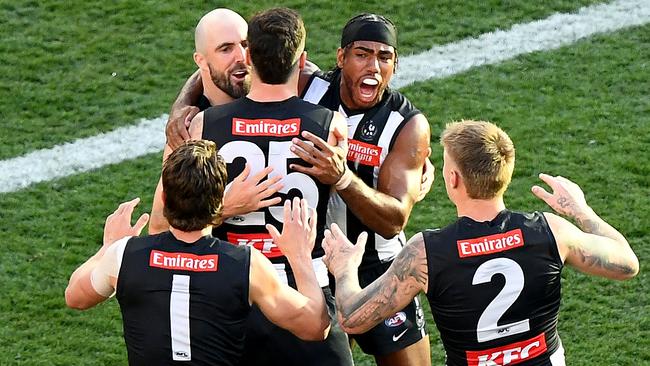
[487, 328]
[278, 154]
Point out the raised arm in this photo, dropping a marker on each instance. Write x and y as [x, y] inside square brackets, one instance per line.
[594, 247]
[361, 309]
[183, 110]
[94, 281]
[302, 312]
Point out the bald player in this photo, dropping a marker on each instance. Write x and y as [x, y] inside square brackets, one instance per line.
[220, 49]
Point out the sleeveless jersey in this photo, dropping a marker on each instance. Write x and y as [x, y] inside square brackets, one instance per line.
[183, 302]
[260, 134]
[371, 136]
[494, 290]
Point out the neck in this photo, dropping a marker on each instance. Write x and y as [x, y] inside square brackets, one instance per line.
[262, 92]
[480, 210]
[190, 236]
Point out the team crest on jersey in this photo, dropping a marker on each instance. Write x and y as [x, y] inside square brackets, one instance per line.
[490, 244]
[265, 127]
[363, 153]
[260, 241]
[396, 320]
[368, 131]
[510, 354]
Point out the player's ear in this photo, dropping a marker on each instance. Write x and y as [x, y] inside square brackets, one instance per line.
[302, 60]
[340, 57]
[248, 56]
[454, 179]
[199, 60]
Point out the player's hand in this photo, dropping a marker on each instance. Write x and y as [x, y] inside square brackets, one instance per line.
[178, 124]
[298, 231]
[328, 162]
[341, 256]
[566, 198]
[247, 194]
[428, 176]
[118, 224]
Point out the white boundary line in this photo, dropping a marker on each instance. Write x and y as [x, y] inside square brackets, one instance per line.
[440, 61]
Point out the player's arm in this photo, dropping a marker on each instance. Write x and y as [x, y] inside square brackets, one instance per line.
[183, 110]
[386, 210]
[302, 312]
[594, 247]
[361, 309]
[305, 75]
[94, 281]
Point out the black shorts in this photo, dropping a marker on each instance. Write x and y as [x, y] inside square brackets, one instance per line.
[268, 344]
[401, 330]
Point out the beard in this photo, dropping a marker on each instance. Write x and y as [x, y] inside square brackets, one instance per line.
[222, 81]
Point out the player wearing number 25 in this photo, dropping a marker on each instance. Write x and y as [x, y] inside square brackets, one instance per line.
[493, 276]
[185, 295]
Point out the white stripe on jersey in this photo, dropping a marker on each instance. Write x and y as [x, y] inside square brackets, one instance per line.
[317, 89]
[319, 268]
[179, 318]
[557, 358]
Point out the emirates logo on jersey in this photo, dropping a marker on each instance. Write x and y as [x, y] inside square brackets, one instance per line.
[260, 241]
[183, 261]
[511, 354]
[363, 153]
[490, 244]
[265, 127]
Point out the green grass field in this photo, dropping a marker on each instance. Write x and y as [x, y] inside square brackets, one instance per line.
[581, 111]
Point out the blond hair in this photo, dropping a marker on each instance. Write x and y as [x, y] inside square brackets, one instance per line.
[485, 156]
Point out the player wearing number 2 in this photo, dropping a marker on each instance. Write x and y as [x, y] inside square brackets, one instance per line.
[257, 130]
[492, 277]
[185, 295]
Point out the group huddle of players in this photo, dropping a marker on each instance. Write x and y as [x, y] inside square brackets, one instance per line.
[287, 162]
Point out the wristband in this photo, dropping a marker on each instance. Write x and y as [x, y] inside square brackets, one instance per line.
[345, 179]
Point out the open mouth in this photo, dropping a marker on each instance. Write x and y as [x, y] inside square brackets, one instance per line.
[368, 88]
[239, 75]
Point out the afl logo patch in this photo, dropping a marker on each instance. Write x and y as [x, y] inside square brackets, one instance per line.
[396, 320]
[369, 130]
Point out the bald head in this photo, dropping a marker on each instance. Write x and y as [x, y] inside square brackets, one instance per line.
[214, 24]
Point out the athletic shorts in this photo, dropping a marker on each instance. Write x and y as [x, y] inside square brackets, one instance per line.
[401, 330]
[268, 344]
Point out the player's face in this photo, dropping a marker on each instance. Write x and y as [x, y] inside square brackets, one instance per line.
[366, 69]
[226, 61]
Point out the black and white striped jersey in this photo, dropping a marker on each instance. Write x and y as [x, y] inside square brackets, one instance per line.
[371, 136]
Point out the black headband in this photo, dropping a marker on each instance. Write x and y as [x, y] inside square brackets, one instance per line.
[369, 27]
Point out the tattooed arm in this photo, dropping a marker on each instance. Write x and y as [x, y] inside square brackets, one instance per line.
[361, 309]
[595, 247]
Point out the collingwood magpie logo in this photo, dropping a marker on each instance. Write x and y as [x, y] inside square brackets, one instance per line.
[369, 130]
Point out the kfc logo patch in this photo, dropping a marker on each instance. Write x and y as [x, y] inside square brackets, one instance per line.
[363, 153]
[265, 127]
[183, 261]
[511, 354]
[260, 241]
[490, 244]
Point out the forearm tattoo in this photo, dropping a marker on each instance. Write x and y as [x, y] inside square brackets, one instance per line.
[595, 260]
[405, 278]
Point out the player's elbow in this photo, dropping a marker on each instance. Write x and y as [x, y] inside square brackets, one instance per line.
[316, 332]
[393, 227]
[74, 301]
[632, 269]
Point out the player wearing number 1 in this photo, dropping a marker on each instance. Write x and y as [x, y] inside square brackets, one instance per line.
[257, 130]
[185, 295]
[492, 278]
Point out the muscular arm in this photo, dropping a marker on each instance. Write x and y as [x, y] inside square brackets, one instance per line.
[183, 109]
[594, 247]
[303, 313]
[361, 309]
[386, 209]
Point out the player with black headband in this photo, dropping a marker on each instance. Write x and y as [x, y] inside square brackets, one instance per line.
[377, 188]
[388, 142]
